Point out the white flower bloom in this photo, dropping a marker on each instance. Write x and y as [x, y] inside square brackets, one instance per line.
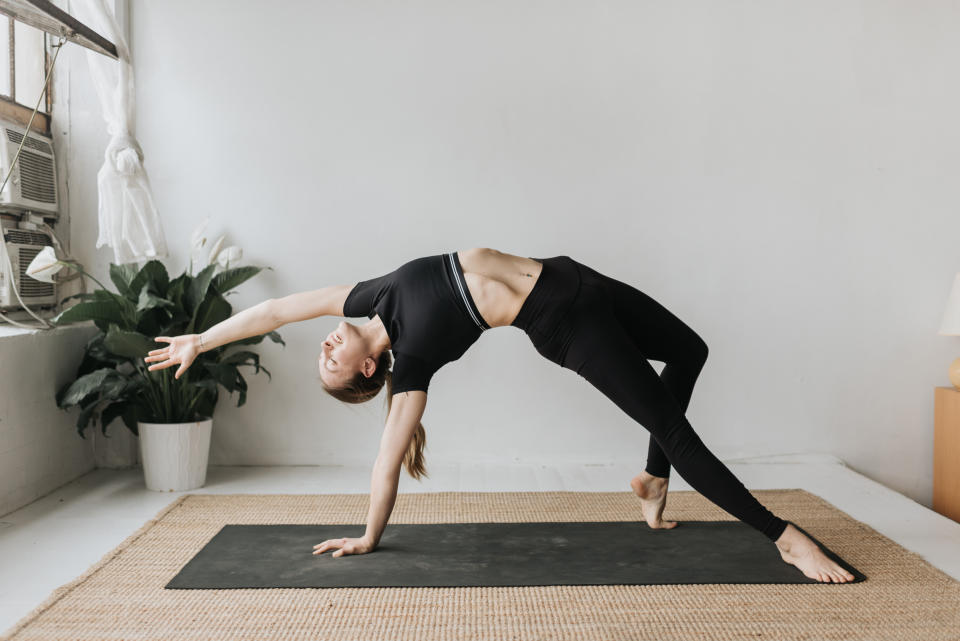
[44, 265]
[197, 239]
[231, 254]
[215, 250]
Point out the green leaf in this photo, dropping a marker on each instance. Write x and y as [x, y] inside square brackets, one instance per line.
[206, 405]
[213, 310]
[110, 412]
[121, 275]
[207, 384]
[87, 384]
[83, 419]
[254, 340]
[130, 418]
[241, 358]
[230, 278]
[242, 384]
[132, 345]
[152, 273]
[99, 310]
[147, 301]
[226, 375]
[96, 356]
[176, 289]
[81, 296]
[197, 289]
[116, 388]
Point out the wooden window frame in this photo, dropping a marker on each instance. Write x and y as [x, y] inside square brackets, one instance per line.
[17, 112]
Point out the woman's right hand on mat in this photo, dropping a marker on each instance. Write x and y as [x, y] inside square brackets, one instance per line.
[181, 349]
[347, 546]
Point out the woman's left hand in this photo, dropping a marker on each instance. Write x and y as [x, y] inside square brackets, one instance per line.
[347, 546]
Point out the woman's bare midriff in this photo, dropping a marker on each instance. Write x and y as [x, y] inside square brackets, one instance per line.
[499, 283]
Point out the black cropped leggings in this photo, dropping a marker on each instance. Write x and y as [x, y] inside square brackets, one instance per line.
[605, 330]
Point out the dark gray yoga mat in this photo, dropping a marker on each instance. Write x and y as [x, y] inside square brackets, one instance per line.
[493, 554]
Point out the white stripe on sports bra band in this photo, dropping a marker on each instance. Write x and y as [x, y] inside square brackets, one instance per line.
[466, 301]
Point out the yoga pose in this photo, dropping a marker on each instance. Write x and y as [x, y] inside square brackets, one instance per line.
[430, 310]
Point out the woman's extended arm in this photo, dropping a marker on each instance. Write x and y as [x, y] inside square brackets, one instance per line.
[326, 301]
[277, 312]
[183, 349]
[252, 321]
[406, 410]
[262, 318]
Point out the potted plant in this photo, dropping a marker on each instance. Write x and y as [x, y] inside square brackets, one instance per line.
[173, 417]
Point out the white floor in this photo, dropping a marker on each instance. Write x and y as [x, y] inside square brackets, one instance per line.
[56, 538]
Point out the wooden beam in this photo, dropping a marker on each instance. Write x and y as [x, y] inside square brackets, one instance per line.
[46, 16]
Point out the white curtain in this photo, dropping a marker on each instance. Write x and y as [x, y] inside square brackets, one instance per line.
[128, 217]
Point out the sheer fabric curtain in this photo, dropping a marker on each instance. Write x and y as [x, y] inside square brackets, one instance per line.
[128, 217]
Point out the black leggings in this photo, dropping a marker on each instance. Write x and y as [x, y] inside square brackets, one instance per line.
[605, 330]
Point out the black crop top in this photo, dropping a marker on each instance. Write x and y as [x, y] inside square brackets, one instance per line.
[428, 313]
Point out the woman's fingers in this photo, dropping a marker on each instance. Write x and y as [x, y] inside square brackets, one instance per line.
[174, 353]
[328, 544]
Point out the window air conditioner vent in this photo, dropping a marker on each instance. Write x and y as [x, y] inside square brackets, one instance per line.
[33, 178]
[32, 143]
[31, 286]
[37, 179]
[26, 237]
[23, 246]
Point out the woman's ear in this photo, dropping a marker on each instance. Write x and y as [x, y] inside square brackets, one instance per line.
[368, 367]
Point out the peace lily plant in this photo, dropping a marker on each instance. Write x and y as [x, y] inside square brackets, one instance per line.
[113, 379]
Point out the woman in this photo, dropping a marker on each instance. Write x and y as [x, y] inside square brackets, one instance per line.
[430, 310]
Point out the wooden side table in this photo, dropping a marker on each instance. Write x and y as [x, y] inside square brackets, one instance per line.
[946, 452]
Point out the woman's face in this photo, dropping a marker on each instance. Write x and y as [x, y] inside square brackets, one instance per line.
[341, 356]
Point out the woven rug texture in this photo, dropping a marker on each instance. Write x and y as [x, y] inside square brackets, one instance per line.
[122, 596]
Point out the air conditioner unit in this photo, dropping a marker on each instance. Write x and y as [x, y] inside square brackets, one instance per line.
[33, 183]
[23, 245]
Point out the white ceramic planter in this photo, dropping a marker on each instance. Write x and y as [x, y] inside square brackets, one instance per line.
[175, 455]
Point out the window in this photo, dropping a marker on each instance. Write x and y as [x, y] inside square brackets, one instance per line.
[23, 64]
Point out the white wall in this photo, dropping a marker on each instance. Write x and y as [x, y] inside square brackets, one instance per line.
[779, 175]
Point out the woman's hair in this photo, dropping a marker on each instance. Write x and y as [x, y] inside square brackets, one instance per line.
[361, 388]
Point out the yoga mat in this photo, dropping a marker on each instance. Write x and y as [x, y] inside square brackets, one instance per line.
[122, 596]
[492, 554]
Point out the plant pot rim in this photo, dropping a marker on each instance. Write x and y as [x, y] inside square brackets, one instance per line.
[201, 420]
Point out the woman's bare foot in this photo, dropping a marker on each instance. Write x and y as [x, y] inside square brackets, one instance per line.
[652, 491]
[798, 549]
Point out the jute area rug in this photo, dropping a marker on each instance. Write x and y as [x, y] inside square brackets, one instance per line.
[123, 595]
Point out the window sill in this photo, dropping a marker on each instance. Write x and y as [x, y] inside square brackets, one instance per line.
[12, 331]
